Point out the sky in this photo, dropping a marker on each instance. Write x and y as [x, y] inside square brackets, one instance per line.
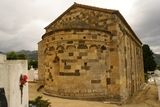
[22, 22]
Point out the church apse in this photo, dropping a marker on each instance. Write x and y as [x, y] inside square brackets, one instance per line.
[82, 55]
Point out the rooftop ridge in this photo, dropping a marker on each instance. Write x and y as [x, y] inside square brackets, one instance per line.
[82, 6]
[112, 11]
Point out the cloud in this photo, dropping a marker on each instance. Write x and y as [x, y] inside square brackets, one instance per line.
[22, 22]
[146, 22]
[18, 26]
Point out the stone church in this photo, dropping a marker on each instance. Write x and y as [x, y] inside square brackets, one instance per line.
[90, 53]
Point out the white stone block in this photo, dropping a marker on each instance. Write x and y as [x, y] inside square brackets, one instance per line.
[2, 58]
[10, 71]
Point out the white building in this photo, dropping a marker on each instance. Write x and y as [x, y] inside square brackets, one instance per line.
[10, 72]
[33, 75]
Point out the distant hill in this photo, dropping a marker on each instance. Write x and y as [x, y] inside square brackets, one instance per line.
[34, 55]
[30, 54]
[1, 52]
[157, 58]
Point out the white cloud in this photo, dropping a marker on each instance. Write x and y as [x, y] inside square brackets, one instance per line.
[22, 21]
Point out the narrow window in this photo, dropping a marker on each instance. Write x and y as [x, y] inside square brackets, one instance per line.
[108, 81]
[111, 66]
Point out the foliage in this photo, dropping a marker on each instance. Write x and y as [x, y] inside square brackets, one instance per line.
[21, 56]
[33, 63]
[38, 102]
[31, 56]
[146, 77]
[13, 56]
[148, 59]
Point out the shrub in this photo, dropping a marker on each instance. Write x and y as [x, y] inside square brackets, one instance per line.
[38, 102]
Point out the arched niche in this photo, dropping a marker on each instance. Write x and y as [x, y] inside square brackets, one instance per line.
[56, 65]
[56, 59]
[45, 50]
[51, 48]
[82, 46]
[103, 48]
[60, 49]
[93, 48]
[71, 47]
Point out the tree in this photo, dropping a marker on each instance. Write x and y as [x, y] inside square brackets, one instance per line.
[21, 56]
[38, 102]
[33, 63]
[11, 55]
[148, 59]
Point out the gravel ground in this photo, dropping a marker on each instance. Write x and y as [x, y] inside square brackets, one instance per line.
[145, 98]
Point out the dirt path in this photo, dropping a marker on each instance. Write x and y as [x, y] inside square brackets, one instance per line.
[145, 98]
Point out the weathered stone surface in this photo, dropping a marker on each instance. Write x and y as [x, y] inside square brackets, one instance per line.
[93, 53]
[10, 72]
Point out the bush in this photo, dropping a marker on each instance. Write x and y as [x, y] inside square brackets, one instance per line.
[33, 63]
[38, 102]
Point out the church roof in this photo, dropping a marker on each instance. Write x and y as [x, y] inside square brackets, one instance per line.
[111, 11]
[82, 6]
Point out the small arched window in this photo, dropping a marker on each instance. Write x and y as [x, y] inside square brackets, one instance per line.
[45, 50]
[103, 48]
[93, 48]
[60, 49]
[82, 46]
[71, 47]
[56, 59]
[51, 48]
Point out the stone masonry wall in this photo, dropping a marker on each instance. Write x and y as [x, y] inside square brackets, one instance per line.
[77, 64]
[89, 53]
[131, 61]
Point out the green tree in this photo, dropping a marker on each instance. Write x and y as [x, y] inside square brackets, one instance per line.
[38, 102]
[33, 63]
[21, 56]
[11, 55]
[148, 59]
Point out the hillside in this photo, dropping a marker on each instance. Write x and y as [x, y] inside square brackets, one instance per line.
[30, 54]
[1, 52]
[157, 58]
[34, 55]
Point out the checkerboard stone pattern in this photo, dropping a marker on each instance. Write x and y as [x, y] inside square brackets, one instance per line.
[89, 52]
